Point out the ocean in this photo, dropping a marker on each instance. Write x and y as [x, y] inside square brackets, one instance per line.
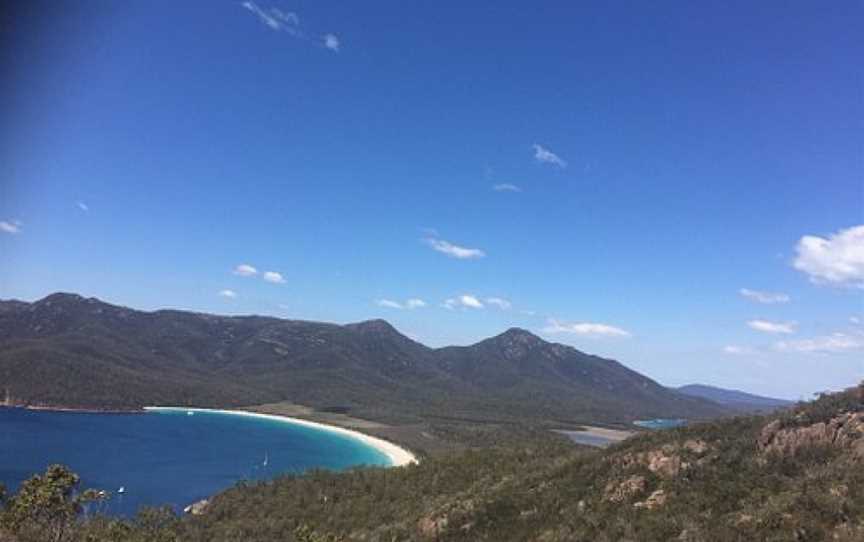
[167, 457]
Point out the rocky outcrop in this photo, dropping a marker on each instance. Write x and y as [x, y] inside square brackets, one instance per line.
[618, 492]
[844, 431]
[666, 461]
[655, 500]
[197, 508]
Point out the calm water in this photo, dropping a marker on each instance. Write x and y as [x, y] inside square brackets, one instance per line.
[166, 457]
[660, 423]
[581, 437]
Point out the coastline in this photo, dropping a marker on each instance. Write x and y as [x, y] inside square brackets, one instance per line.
[397, 455]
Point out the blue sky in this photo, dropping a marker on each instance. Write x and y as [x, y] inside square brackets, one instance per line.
[610, 175]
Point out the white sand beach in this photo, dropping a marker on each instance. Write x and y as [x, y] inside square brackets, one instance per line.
[398, 456]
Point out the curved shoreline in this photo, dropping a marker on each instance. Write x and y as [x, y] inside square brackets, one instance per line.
[397, 455]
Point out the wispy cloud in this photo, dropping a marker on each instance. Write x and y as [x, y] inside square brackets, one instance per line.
[454, 251]
[12, 227]
[545, 156]
[331, 41]
[276, 19]
[586, 329]
[836, 260]
[767, 298]
[410, 304]
[506, 187]
[231, 294]
[499, 302]
[465, 301]
[766, 326]
[738, 350]
[834, 343]
[245, 270]
[274, 277]
[83, 206]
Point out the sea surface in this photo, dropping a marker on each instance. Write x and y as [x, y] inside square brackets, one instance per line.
[166, 458]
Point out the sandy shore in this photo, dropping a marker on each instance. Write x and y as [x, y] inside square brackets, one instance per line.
[398, 456]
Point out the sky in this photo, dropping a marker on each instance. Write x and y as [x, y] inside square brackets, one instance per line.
[676, 185]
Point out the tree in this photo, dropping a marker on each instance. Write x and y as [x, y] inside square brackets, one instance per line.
[46, 506]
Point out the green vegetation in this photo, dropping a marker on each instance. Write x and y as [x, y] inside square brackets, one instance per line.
[69, 351]
[797, 475]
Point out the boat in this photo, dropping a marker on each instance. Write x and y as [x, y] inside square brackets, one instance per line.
[121, 490]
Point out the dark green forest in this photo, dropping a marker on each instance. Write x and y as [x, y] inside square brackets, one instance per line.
[794, 475]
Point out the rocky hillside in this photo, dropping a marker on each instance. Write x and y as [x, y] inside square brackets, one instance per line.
[70, 351]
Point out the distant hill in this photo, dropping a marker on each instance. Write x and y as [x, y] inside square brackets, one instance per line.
[66, 350]
[738, 400]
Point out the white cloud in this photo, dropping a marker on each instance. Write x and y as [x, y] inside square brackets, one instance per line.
[245, 270]
[506, 187]
[413, 303]
[83, 206]
[470, 301]
[10, 227]
[499, 302]
[388, 303]
[836, 260]
[462, 302]
[766, 326]
[331, 41]
[274, 277]
[767, 298]
[231, 294]
[276, 19]
[854, 320]
[454, 251]
[834, 343]
[587, 329]
[738, 350]
[545, 156]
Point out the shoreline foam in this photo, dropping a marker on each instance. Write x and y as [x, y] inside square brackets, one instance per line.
[397, 455]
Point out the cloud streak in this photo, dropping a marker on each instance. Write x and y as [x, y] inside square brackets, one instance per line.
[230, 294]
[766, 326]
[465, 301]
[585, 329]
[767, 298]
[834, 343]
[545, 156]
[276, 19]
[273, 277]
[245, 270]
[13, 227]
[454, 251]
[410, 304]
[506, 187]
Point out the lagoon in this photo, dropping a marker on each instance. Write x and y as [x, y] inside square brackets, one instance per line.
[168, 457]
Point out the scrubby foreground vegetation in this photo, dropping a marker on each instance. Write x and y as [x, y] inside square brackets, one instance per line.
[797, 475]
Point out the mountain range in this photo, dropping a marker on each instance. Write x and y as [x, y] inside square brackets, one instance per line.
[70, 351]
[734, 399]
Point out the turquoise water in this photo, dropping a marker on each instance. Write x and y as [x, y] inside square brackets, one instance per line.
[167, 458]
[660, 423]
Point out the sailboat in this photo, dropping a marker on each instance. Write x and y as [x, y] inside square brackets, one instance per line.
[121, 490]
[266, 459]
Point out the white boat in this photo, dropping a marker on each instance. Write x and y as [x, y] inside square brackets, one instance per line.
[122, 489]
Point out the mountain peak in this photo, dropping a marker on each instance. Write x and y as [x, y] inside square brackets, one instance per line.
[519, 335]
[378, 325]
